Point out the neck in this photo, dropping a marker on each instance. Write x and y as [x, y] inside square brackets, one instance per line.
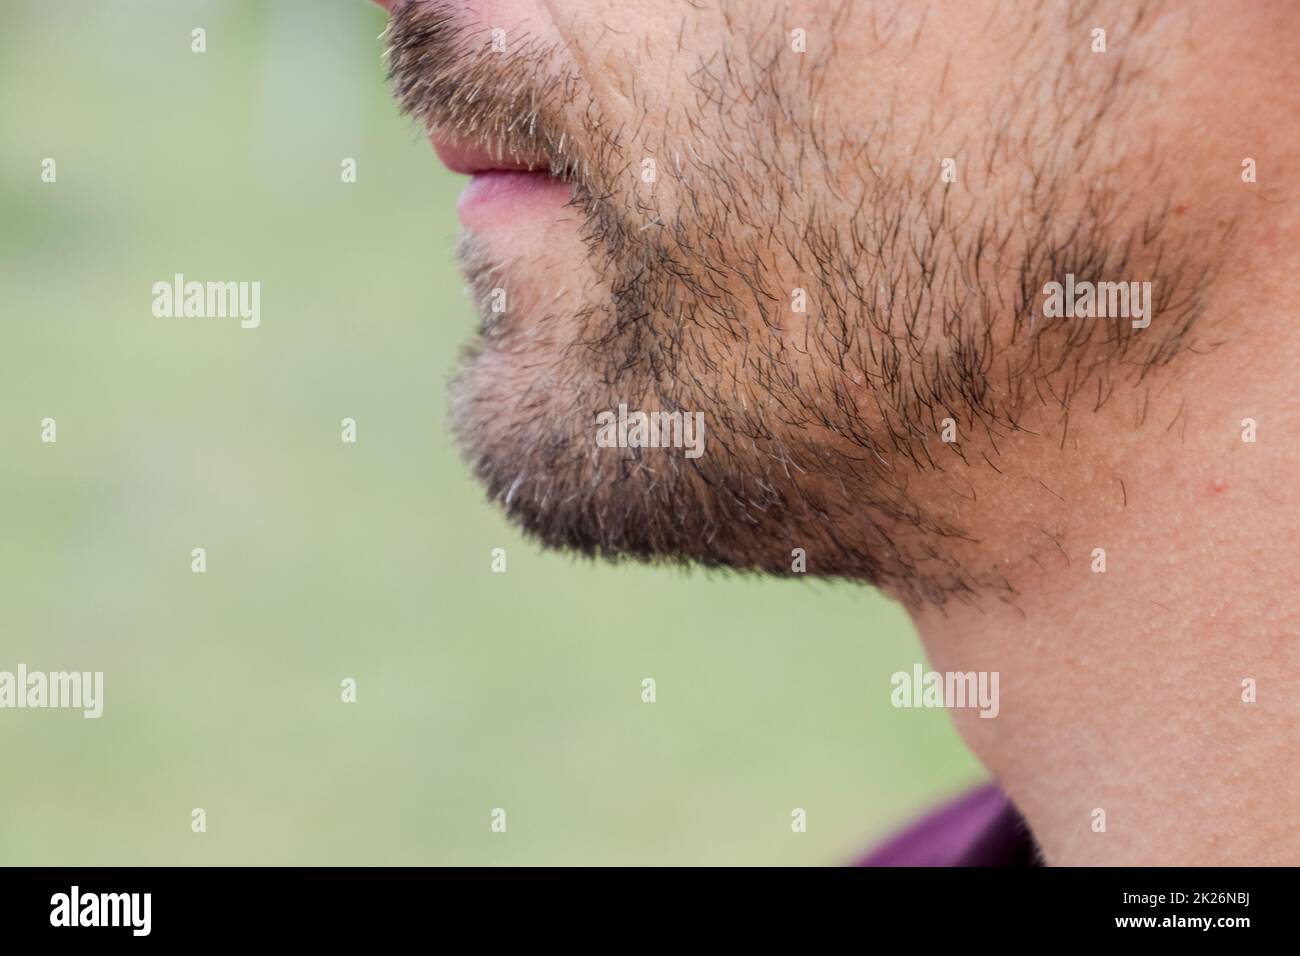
[1128, 693]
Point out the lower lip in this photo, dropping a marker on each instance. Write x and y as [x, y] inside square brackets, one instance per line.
[500, 196]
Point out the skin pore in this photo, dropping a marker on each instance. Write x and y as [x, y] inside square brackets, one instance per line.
[718, 176]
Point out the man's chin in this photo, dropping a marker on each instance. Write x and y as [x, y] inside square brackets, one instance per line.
[526, 425]
[529, 431]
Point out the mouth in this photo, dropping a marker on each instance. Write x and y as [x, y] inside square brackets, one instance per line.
[502, 185]
[490, 118]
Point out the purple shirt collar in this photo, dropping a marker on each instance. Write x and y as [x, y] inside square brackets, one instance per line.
[980, 828]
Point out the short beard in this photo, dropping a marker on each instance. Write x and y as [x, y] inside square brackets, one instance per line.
[818, 439]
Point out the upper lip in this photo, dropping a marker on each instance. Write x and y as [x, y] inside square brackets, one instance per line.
[470, 154]
[469, 158]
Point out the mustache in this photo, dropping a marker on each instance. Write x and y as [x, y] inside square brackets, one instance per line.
[507, 98]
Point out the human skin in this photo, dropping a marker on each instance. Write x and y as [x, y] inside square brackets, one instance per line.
[820, 170]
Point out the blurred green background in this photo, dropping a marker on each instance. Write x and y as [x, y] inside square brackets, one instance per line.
[326, 560]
